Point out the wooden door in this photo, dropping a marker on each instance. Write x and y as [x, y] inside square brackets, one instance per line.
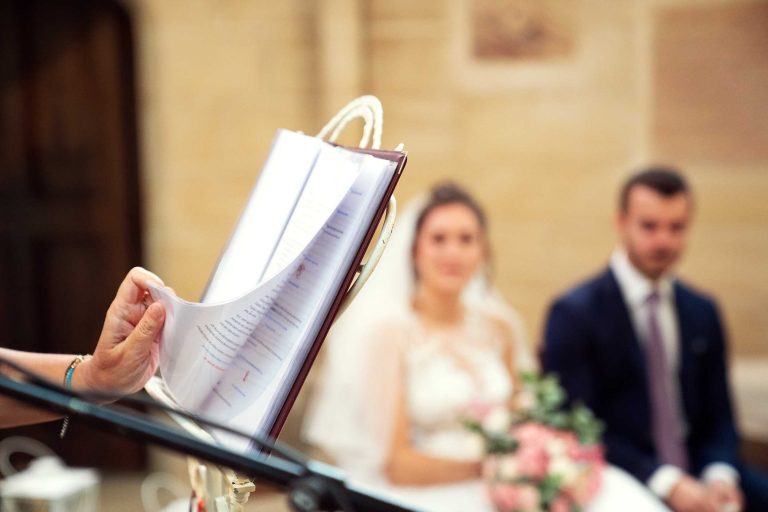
[69, 196]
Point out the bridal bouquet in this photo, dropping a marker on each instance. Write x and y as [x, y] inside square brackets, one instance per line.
[538, 456]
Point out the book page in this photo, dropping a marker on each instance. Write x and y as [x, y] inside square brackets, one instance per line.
[201, 342]
[262, 223]
[235, 360]
[309, 298]
[355, 216]
[334, 171]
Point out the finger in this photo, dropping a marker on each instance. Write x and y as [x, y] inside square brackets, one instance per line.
[708, 506]
[156, 294]
[134, 285]
[717, 493]
[148, 329]
[127, 305]
[142, 279]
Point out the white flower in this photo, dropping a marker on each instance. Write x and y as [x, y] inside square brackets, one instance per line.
[557, 448]
[474, 445]
[497, 421]
[507, 468]
[526, 400]
[565, 468]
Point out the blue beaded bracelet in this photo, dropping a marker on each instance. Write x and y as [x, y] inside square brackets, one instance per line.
[68, 384]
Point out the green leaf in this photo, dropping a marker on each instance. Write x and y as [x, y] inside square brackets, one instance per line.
[529, 378]
[500, 444]
[549, 489]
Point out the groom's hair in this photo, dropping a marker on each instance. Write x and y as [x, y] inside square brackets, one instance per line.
[664, 180]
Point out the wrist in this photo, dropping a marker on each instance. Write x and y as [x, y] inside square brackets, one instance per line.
[720, 472]
[81, 378]
[71, 382]
[86, 377]
[664, 479]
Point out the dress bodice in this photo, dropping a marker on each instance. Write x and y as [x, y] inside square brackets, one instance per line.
[447, 372]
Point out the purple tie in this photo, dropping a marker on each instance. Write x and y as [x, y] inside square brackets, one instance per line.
[667, 431]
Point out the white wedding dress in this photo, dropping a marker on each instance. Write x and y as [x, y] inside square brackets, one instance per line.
[446, 372]
[379, 351]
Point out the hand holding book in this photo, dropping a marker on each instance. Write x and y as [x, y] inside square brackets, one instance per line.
[237, 355]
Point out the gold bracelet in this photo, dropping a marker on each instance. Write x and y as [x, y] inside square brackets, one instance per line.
[68, 385]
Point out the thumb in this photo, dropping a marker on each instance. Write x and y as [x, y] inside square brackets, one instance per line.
[150, 325]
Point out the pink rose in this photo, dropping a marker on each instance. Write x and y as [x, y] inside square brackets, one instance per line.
[586, 453]
[504, 496]
[515, 497]
[477, 411]
[533, 435]
[532, 454]
[561, 504]
[532, 462]
[529, 498]
[589, 484]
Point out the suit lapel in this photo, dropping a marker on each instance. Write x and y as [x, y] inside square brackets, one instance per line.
[633, 362]
[624, 329]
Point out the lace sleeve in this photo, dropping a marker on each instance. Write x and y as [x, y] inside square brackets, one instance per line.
[351, 415]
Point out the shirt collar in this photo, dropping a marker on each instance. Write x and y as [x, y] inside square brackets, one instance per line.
[635, 286]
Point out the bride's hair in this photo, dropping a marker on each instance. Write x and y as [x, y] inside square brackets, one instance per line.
[447, 193]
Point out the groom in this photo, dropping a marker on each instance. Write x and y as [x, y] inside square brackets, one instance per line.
[648, 354]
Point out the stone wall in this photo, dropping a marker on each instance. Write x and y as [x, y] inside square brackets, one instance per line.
[542, 128]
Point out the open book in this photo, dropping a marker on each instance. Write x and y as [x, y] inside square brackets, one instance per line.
[241, 354]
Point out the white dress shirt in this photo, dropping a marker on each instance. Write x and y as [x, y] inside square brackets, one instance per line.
[635, 288]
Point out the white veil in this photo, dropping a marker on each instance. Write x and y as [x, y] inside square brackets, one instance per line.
[349, 415]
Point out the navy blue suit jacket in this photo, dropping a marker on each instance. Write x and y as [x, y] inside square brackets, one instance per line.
[591, 344]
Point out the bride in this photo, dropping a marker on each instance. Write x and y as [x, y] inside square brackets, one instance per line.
[425, 340]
